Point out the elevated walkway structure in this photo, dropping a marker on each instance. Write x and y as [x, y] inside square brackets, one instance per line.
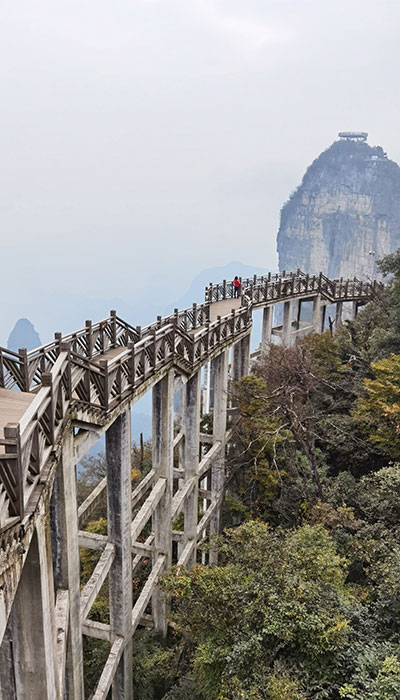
[55, 403]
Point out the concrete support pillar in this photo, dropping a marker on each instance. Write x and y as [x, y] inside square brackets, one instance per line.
[338, 315]
[317, 314]
[211, 383]
[287, 323]
[236, 361]
[163, 459]
[118, 459]
[297, 314]
[268, 314]
[245, 356]
[191, 458]
[323, 317]
[219, 432]
[180, 416]
[31, 631]
[66, 561]
[354, 310]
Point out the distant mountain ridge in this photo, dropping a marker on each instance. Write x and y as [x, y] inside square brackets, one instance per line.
[23, 335]
[214, 274]
[345, 214]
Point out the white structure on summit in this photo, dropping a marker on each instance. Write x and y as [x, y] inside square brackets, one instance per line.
[353, 135]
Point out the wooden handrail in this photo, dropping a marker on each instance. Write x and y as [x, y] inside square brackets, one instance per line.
[73, 368]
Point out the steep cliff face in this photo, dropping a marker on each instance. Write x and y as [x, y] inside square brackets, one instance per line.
[345, 215]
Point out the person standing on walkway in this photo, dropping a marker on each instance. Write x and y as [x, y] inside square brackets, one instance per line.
[237, 287]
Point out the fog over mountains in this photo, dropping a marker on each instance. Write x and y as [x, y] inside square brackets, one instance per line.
[66, 313]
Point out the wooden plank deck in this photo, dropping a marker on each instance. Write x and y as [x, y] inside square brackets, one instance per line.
[13, 405]
[219, 308]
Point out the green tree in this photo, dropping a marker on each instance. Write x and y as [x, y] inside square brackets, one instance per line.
[280, 598]
[379, 410]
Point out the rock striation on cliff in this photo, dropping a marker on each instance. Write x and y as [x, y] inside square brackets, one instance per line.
[345, 215]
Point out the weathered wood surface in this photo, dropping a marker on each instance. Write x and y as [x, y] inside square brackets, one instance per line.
[13, 405]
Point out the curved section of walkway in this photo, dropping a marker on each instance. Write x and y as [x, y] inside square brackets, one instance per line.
[102, 367]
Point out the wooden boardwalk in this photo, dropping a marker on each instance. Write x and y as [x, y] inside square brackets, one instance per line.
[56, 401]
[13, 405]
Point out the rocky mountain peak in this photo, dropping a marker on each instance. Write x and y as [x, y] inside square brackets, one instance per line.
[23, 335]
[345, 214]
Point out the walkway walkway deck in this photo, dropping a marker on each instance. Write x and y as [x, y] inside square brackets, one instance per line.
[13, 405]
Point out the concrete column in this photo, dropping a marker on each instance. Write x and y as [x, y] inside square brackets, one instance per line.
[245, 356]
[237, 361]
[317, 314]
[354, 310]
[323, 317]
[338, 315]
[31, 631]
[191, 458]
[219, 431]
[206, 388]
[295, 310]
[297, 316]
[119, 507]
[180, 416]
[268, 313]
[66, 564]
[163, 458]
[287, 323]
[211, 383]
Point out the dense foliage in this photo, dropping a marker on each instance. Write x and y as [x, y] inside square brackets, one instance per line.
[305, 601]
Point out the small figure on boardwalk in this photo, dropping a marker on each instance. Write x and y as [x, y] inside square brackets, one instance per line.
[237, 287]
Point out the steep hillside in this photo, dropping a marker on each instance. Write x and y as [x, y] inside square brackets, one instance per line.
[345, 215]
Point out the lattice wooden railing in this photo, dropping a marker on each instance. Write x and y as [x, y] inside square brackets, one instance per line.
[259, 290]
[96, 384]
[73, 368]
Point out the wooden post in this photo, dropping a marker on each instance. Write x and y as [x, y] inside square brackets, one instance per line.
[23, 357]
[89, 338]
[106, 383]
[113, 315]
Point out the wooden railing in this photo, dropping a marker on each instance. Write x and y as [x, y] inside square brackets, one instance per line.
[73, 368]
[272, 288]
[95, 383]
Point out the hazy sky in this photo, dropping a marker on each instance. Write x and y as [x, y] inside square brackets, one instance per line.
[143, 139]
